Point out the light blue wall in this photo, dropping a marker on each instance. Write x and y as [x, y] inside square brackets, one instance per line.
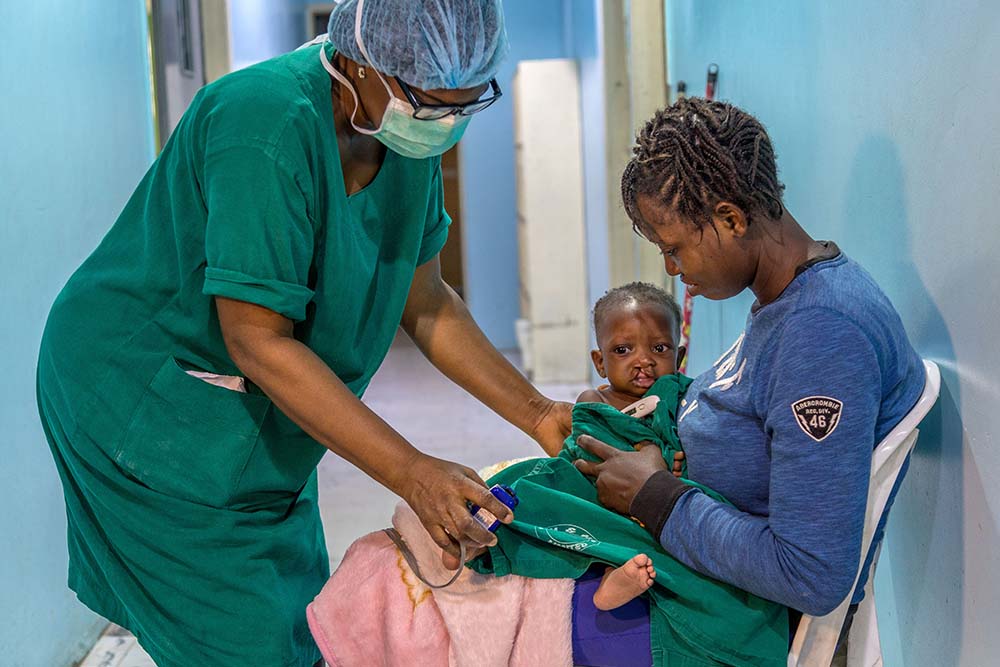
[262, 29]
[884, 118]
[76, 132]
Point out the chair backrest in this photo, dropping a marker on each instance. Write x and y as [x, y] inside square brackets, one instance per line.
[816, 638]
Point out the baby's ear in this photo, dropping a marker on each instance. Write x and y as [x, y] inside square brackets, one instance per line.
[598, 360]
[681, 353]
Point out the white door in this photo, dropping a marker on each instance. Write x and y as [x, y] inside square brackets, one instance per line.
[550, 220]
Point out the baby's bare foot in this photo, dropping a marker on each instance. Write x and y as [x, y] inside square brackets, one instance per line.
[623, 583]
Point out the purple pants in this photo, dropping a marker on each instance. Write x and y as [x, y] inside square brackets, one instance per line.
[615, 638]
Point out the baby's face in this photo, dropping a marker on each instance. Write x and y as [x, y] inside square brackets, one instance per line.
[637, 347]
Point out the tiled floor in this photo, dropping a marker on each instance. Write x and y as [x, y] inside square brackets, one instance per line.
[117, 648]
[427, 409]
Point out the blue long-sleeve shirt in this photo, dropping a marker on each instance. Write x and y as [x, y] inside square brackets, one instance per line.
[783, 425]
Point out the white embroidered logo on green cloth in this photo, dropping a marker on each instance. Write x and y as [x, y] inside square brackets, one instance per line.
[567, 536]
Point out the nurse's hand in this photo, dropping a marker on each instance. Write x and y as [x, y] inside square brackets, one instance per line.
[621, 474]
[554, 427]
[437, 490]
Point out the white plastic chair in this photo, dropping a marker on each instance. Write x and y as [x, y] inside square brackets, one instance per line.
[816, 638]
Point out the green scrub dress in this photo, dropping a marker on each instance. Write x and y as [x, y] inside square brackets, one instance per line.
[192, 509]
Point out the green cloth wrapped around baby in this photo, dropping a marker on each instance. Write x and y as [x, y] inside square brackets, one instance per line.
[560, 530]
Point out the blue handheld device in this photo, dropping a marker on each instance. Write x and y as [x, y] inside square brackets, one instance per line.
[504, 494]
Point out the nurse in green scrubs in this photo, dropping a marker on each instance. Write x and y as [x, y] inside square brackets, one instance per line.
[291, 224]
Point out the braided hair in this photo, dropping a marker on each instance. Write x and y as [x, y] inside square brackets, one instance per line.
[696, 153]
[643, 294]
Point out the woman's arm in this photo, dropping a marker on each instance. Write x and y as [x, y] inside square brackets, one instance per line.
[304, 388]
[441, 326]
[805, 553]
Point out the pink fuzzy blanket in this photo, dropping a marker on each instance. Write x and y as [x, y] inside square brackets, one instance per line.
[374, 610]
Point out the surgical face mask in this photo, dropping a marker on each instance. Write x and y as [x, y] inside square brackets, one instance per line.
[399, 130]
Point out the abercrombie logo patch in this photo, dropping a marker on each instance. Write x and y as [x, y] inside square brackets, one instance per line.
[818, 416]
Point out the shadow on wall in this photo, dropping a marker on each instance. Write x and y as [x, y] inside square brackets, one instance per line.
[920, 615]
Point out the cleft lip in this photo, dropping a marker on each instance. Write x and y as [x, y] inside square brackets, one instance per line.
[644, 378]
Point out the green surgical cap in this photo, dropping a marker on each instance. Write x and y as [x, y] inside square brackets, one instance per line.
[429, 44]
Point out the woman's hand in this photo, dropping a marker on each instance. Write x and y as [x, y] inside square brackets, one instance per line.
[437, 490]
[621, 474]
[554, 427]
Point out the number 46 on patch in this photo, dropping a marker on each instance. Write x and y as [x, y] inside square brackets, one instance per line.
[817, 416]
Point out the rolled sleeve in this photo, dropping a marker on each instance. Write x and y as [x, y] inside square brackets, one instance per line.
[286, 299]
[259, 238]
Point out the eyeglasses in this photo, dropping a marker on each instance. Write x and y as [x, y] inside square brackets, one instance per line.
[423, 111]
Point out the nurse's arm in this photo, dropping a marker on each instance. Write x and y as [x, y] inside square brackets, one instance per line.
[261, 343]
[442, 327]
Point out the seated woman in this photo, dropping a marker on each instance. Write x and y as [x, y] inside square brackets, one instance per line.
[784, 423]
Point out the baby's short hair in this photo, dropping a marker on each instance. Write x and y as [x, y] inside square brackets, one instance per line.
[642, 294]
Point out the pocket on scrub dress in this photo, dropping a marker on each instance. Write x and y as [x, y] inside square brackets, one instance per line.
[191, 439]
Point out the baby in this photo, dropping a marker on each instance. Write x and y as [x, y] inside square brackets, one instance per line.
[637, 327]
